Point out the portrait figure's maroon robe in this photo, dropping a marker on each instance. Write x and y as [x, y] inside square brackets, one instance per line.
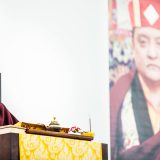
[150, 148]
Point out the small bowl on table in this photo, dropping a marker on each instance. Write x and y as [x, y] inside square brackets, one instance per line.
[54, 128]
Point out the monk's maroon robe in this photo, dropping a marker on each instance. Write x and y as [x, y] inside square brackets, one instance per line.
[6, 117]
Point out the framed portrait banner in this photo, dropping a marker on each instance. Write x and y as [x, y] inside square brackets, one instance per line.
[134, 79]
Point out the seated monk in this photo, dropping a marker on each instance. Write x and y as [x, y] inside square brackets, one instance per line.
[6, 117]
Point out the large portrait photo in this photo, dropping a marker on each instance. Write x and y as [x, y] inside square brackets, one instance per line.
[134, 79]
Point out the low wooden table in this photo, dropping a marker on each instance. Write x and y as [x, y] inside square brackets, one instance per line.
[10, 147]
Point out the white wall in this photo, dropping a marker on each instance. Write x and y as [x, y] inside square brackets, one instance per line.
[53, 60]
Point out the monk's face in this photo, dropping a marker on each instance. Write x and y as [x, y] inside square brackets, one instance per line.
[146, 52]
